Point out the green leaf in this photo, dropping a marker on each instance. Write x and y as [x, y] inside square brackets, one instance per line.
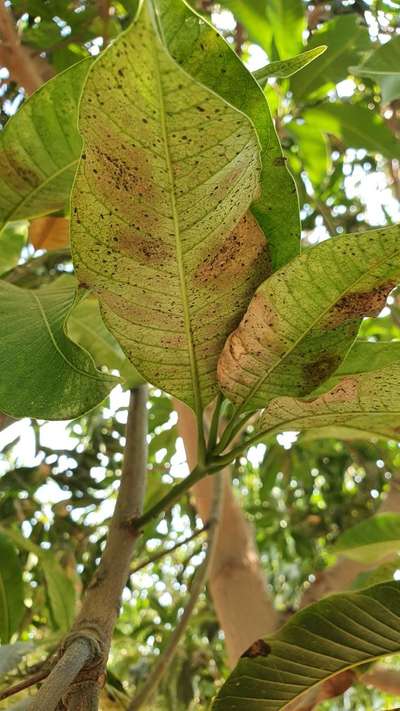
[371, 540]
[337, 633]
[287, 67]
[39, 149]
[356, 125]
[252, 14]
[303, 319]
[381, 574]
[312, 147]
[11, 655]
[368, 403]
[86, 328]
[60, 591]
[287, 20]
[59, 586]
[383, 61]
[162, 262]
[383, 65]
[44, 374]
[207, 57]
[11, 590]
[12, 239]
[346, 39]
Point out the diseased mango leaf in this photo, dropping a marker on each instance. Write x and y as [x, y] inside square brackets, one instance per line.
[383, 65]
[372, 540]
[357, 126]
[346, 40]
[43, 373]
[49, 232]
[207, 57]
[368, 403]
[39, 149]
[157, 231]
[303, 319]
[287, 67]
[86, 328]
[12, 239]
[330, 636]
[11, 590]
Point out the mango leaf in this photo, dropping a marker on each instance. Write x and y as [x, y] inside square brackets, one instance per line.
[368, 403]
[12, 239]
[383, 61]
[357, 126]
[11, 655]
[86, 328]
[39, 149]
[254, 18]
[49, 232]
[371, 540]
[383, 65]
[11, 590]
[303, 319]
[287, 20]
[380, 574]
[59, 586]
[287, 67]
[207, 57]
[162, 262]
[44, 374]
[313, 150]
[346, 39]
[337, 633]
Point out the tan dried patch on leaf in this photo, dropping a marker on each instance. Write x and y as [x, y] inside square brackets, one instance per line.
[247, 344]
[49, 232]
[245, 247]
[359, 304]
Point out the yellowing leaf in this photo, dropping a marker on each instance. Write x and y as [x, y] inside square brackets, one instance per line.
[49, 232]
[168, 170]
[304, 318]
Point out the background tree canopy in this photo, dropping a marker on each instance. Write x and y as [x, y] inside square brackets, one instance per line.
[323, 505]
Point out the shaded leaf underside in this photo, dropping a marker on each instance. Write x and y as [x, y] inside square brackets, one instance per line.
[167, 173]
[44, 374]
[330, 636]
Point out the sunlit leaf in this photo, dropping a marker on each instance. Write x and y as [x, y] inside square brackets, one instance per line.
[163, 261]
[338, 633]
[44, 374]
[287, 67]
[346, 39]
[12, 239]
[39, 149]
[304, 318]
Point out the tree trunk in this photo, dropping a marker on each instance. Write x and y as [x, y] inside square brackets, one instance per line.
[237, 582]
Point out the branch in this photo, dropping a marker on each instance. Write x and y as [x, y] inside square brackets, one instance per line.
[79, 674]
[24, 684]
[16, 57]
[166, 551]
[150, 686]
[384, 679]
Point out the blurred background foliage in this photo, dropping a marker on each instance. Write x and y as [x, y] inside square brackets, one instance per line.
[338, 121]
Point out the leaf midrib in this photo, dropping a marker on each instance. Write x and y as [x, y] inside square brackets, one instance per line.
[321, 315]
[179, 255]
